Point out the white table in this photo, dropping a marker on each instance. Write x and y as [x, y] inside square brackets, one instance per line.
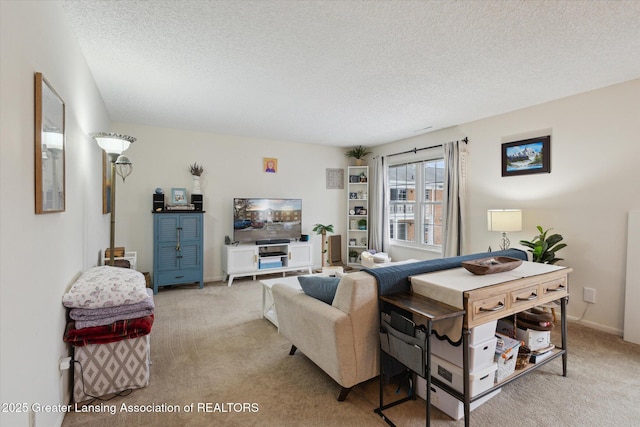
[268, 306]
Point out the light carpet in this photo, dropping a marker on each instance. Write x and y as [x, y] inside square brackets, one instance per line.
[216, 361]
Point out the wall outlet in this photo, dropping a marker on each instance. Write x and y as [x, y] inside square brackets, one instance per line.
[589, 295]
[64, 363]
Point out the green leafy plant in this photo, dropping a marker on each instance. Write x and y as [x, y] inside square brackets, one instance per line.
[323, 230]
[358, 152]
[196, 169]
[544, 247]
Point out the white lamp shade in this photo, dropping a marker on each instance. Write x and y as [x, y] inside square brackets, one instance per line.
[124, 167]
[113, 143]
[504, 220]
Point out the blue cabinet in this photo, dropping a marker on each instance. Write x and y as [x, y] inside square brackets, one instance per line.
[177, 249]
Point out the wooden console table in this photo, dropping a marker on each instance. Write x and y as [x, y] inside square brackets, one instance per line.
[482, 299]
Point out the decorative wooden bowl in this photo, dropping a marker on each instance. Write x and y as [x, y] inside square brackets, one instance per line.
[491, 265]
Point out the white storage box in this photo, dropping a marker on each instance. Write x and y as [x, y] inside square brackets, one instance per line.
[480, 355]
[533, 339]
[506, 356]
[482, 333]
[447, 403]
[451, 374]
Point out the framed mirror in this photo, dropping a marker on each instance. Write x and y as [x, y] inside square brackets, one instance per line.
[49, 148]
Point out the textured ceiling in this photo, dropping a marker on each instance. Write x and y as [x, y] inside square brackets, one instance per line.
[347, 72]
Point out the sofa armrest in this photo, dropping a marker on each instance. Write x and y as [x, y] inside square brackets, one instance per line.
[320, 331]
[357, 295]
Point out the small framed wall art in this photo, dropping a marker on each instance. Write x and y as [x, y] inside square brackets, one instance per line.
[270, 165]
[335, 178]
[527, 157]
[178, 196]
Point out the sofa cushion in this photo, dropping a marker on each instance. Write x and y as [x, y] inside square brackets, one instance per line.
[320, 287]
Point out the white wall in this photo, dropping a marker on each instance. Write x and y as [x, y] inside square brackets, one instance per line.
[42, 254]
[592, 186]
[233, 168]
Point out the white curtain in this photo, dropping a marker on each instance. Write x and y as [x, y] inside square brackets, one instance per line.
[454, 198]
[379, 218]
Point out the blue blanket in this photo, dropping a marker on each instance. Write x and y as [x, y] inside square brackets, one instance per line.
[395, 278]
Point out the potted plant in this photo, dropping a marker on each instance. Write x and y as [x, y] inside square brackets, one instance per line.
[544, 247]
[358, 153]
[353, 256]
[362, 224]
[323, 230]
[196, 171]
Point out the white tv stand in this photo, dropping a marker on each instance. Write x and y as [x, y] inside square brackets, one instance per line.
[252, 260]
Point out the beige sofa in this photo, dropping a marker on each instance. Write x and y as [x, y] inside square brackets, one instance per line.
[341, 338]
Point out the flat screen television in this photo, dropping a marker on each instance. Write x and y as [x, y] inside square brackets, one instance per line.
[262, 219]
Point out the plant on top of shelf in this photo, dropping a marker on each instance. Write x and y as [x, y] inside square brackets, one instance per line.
[358, 153]
[323, 230]
[196, 169]
[544, 248]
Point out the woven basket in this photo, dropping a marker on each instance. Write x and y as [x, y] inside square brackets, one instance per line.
[524, 354]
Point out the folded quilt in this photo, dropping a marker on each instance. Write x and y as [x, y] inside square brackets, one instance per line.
[83, 324]
[106, 286]
[117, 331]
[94, 314]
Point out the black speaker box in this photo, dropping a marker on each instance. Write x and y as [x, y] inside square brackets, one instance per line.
[158, 202]
[196, 200]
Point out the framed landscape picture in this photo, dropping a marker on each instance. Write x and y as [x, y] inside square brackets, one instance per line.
[526, 157]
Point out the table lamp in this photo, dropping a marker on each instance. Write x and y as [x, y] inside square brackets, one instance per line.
[504, 220]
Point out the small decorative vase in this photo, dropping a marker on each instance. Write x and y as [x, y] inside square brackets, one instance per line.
[196, 185]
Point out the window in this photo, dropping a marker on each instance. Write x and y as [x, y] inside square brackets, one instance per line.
[415, 202]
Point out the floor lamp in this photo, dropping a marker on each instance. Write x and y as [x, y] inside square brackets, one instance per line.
[504, 220]
[114, 144]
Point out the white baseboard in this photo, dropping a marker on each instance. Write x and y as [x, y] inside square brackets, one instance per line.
[594, 325]
[213, 279]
